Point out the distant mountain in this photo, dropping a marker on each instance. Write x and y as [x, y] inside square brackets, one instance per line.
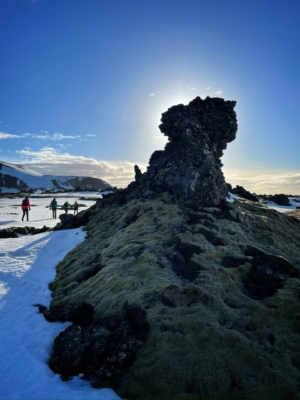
[16, 177]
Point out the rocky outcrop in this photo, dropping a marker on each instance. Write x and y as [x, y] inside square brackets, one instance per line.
[8, 233]
[242, 192]
[190, 167]
[171, 298]
[280, 199]
[219, 288]
[25, 230]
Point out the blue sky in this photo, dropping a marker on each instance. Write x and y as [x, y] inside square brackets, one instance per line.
[83, 83]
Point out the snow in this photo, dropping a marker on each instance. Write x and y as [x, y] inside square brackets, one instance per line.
[276, 207]
[294, 201]
[33, 179]
[27, 266]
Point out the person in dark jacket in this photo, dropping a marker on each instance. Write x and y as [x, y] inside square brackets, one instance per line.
[75, 207]
[25, 207]
[66, 206]
[53, 207]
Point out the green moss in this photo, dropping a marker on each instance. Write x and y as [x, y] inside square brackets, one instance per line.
[208, 339]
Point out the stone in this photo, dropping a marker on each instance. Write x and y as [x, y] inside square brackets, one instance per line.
[189, 167]
[8, 233]
[280, 199]
[245, 194]
[101, 352]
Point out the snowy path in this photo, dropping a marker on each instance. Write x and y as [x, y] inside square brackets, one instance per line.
[27, 266]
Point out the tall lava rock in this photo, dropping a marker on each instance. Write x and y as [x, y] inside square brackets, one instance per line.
[190, 165]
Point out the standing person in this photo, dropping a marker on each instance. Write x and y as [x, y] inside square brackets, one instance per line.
[66, 206]
[25, 207]
[53, 206]
[75, 207]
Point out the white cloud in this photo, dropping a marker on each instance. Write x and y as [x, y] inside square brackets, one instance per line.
[208, 88]
[266, 182]
[54, 136]
[90, 135]
[42, 131]
[193, 88]
[218, 93]
[4, 135]
[49, 161]
[151, 94]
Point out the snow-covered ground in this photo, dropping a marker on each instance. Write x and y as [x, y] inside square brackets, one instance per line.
[294, 201]
[40, 214]
[27, 266]
[276, 207]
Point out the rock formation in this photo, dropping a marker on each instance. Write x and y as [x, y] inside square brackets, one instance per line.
[176, 293]
[190, 167]
[242, 192]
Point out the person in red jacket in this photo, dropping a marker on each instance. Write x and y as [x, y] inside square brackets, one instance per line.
[25, 207]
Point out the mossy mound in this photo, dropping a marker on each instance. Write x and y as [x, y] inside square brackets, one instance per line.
[216, 297]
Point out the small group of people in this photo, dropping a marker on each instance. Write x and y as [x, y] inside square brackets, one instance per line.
[66, 206]
[53, 206]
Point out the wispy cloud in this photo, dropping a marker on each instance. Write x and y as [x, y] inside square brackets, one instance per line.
[267, 182]
[4, 135]
[218, 93]
[152, 94]
[193, 88]
[44, 131]
[49, 161]
[208, 88]
[54, 136]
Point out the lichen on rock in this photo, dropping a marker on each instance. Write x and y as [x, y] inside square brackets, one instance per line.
[177, 294]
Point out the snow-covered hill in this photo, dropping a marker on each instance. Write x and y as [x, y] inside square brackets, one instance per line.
[16, 177]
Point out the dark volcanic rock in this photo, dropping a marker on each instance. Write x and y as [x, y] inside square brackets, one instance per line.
[189, 167]
[70, 221]
[267, 274]
[240, 191]
[24, 230]
[101, 351]
[280, 199]
[7, 233]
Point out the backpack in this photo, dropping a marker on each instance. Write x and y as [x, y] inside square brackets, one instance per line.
[24, 202]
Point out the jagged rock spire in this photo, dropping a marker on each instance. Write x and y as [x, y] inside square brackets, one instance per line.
[190, 165]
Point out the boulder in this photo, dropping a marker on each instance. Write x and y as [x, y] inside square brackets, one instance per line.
[245, 194]
[280, 199]
[8, 233]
